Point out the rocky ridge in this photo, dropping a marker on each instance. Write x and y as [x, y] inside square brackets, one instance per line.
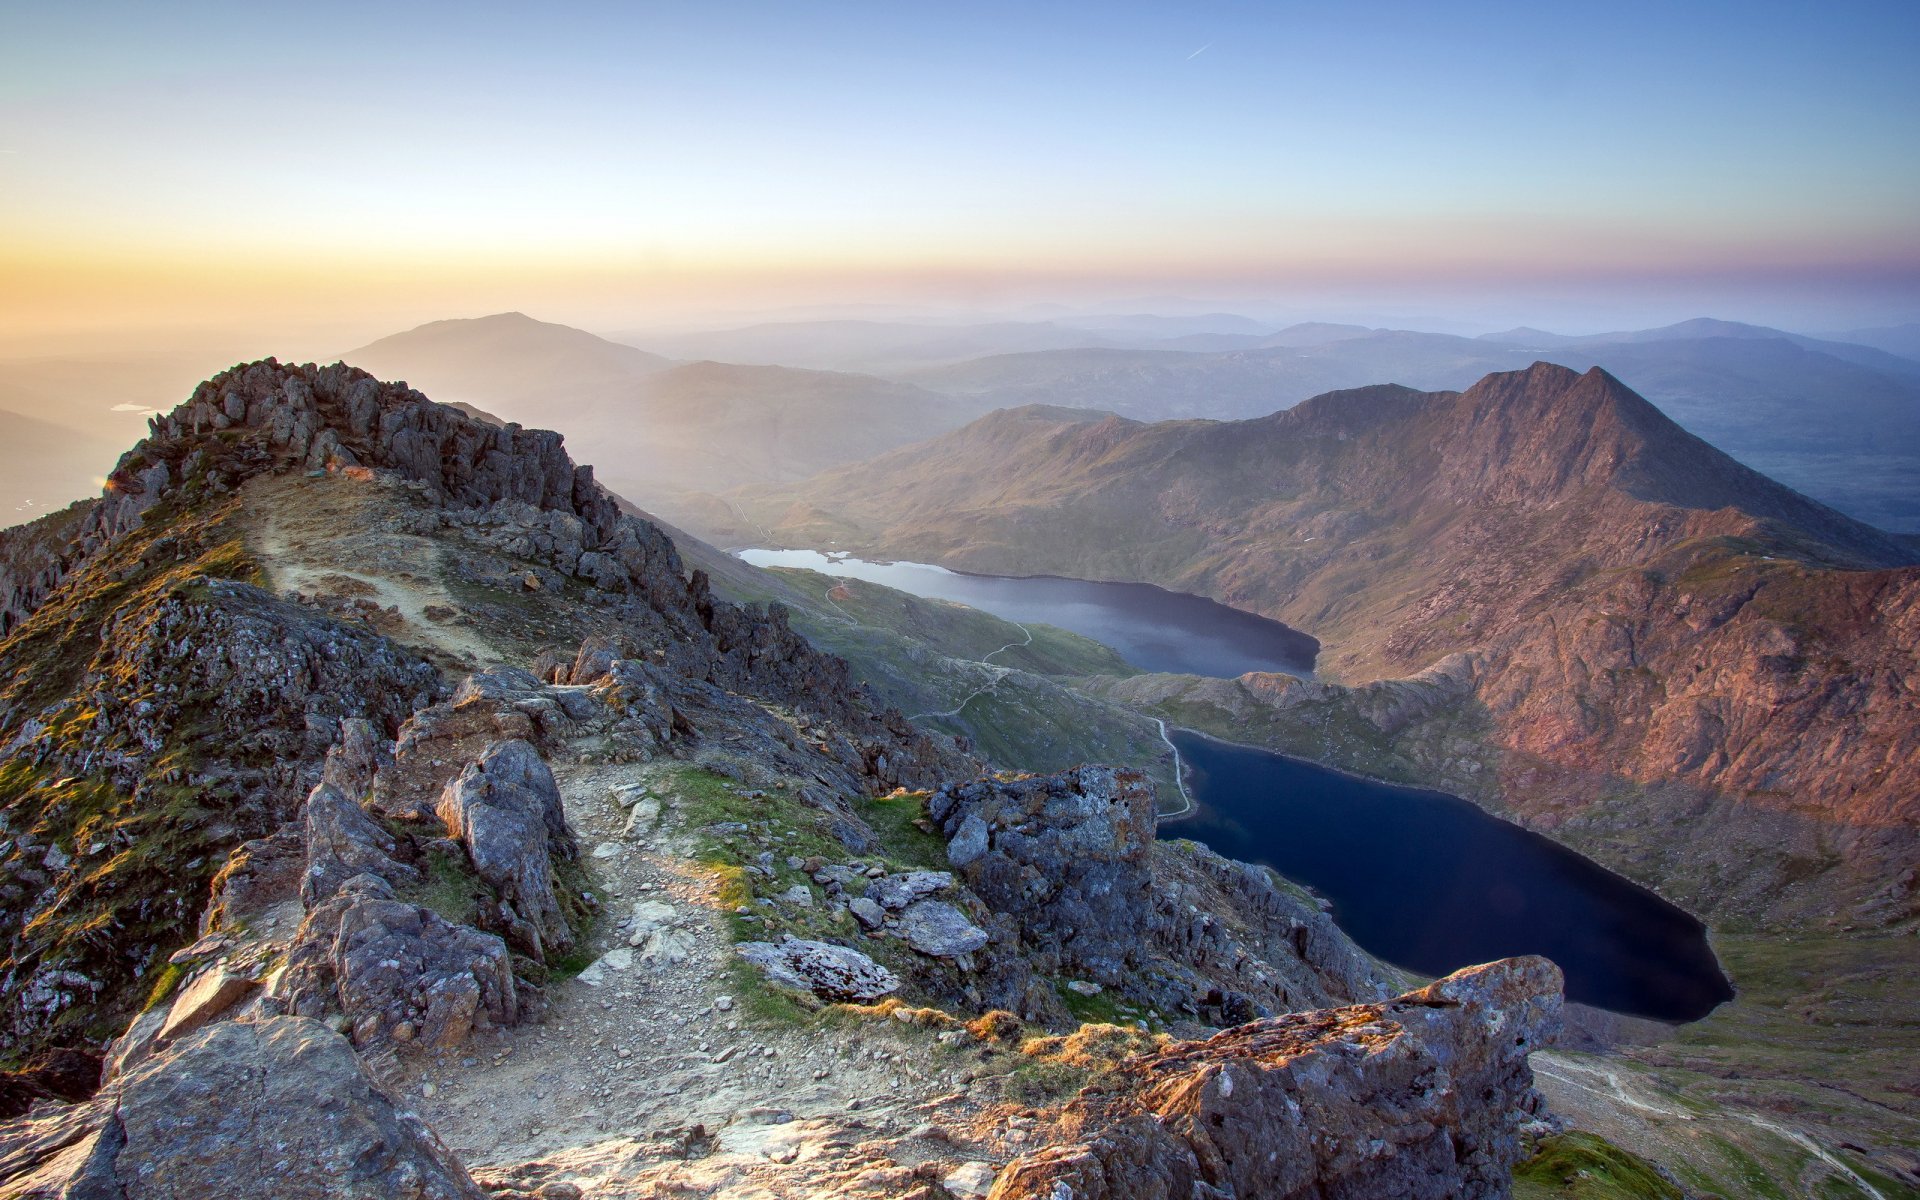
[393, 881]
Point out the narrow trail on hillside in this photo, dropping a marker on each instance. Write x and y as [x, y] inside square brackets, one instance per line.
[999, 674]
[1187, 804]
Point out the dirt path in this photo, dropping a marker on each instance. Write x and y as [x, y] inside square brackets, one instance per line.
[648, 1073]
[302, 531]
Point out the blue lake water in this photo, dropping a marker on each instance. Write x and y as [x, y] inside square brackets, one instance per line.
[1419, 878]
[1152, 628]
[1429, 882]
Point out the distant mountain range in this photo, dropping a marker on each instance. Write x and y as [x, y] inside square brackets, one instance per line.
[1839, 422]
[1625, 610]
[654, 429]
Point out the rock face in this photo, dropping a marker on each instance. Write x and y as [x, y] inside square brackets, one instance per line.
[1420, 1097]
[401, 973]
[1065, 853]
[505, 808]
[281, 1107]
[1072, 861]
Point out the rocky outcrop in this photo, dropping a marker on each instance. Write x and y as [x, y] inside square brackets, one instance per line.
[1421, 1097]
[1066, 854]
[505, 809]
[280, 1107]
[400, 973]
[1071, 861]
[342, 841]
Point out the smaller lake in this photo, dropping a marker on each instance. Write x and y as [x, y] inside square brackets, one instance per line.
[1429, 882]
[1152, 628]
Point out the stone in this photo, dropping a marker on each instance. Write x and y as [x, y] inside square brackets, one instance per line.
[1421, 1097]
[969, 841]
[620, 958]
[895, 892]
[211, 994]
[505, 808]
[869, 914]
[828, 971]
[343, 841]
[970, 1180]
[937, 928]
[799, 895]
[382, 962]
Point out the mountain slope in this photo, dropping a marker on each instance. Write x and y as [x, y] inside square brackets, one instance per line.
[1635, 606]
[1841, 423]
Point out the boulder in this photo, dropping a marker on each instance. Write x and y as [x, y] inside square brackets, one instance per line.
[343, 841]
[936, 928]
[828, 971]
[400, 973]
[895, 892]
[505, 808]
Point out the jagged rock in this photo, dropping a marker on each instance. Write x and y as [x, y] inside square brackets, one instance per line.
[937, 928]
[1421, 1097]
[828, 971]
[354, 760]
[210, 995]
[400, 973]
[1066, 855]
[895, 892]
[869, 914]
[342, 841]
[506, 809]
[258, 874]
[280, 1107]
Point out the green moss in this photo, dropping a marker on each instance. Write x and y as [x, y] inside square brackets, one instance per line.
[1101, 1008]
[1583, 1165]
[896, 819]
[164, 982]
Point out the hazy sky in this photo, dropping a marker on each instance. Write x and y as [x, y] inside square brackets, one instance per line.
[365, 166]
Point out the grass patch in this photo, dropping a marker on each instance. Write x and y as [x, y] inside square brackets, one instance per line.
[1582, 1165]
[903, 840]
[165, 981]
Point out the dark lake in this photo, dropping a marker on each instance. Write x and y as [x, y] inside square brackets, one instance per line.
[1152, 628]
[1429, 882]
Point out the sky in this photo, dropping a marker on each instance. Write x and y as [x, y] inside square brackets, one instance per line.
[348, 169]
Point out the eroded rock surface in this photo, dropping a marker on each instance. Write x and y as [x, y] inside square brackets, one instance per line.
[280, 1108]
[399, 973]
[1420, 1097]
[505, 808]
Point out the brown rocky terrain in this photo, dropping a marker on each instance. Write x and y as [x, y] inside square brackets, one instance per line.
[369, 773]
[1649, 640]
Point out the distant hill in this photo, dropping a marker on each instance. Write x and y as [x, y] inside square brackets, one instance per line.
[1841, 423]
[508, 356]
[653, 430]
[1637, 609]
[1903, 340]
